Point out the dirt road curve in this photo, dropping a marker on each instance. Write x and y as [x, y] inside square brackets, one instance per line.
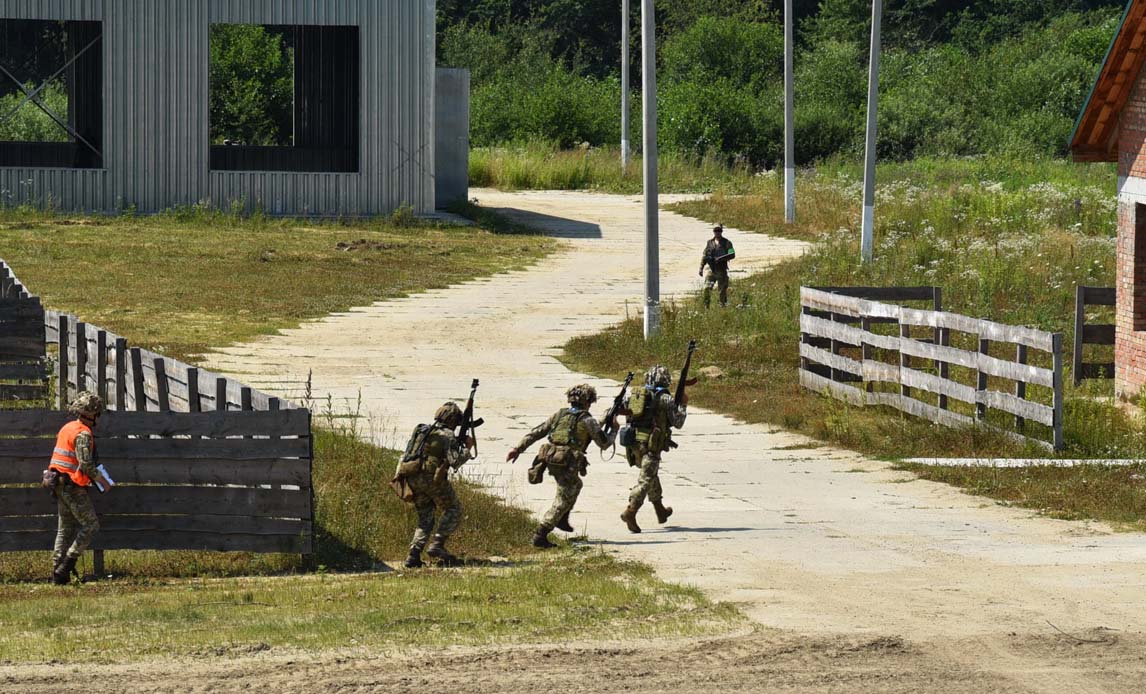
[759, 662]
[862, 579]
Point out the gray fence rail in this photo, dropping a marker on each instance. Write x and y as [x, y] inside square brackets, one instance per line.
[1091, 333]
[935, 380]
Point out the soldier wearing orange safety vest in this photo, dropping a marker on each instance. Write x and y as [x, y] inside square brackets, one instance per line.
[74, 465]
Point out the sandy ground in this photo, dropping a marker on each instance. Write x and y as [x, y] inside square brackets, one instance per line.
[861, 578]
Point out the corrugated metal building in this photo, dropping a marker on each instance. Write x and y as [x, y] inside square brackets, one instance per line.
[149, 62]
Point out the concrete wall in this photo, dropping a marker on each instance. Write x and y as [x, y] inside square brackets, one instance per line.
[452, 135]
[155, 149]
[1130, 284]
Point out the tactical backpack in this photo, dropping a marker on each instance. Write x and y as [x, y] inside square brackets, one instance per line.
[562, 449]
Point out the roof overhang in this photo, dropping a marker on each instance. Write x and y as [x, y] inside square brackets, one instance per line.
[1095, 135]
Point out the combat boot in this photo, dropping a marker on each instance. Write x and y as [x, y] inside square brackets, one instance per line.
[663, 512]
[63, 573]
[630, 518]
[563, 523]
[541, 537]
[437, 550]
[414, 560]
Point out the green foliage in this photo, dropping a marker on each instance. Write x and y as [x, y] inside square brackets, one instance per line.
[29, 123]
[252, 85]
[741, 54]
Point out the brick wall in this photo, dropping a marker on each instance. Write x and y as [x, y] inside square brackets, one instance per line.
[1130, 318]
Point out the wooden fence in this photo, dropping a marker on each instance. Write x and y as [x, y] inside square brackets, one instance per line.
[23, 367]
[936, 379]
[225, 481]
[201, 461]
[1091, 334]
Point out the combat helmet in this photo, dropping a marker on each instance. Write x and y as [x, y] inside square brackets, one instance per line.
[449, 414]
[86, 404]
[582, 395]
[658, 377]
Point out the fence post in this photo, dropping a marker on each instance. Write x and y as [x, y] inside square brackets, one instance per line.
[1079, 321]
[866, 349]
[162, 391]
[1056, 344]
[121, 374]
[944, 369]
[904, 359]
[81, 356]
[221, 394]
[137, 378]
[62, 384]
[245, 399]
[101, 365]
[193, 390]
[1020, 386]
[981, 379]
[936, 337]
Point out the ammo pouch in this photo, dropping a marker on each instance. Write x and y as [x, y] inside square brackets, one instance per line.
[408, 468]
[402, 488]
[49, 480]
[536, 474]
[627, 436]
[558, 456]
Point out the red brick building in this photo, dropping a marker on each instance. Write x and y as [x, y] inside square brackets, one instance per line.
[1112, 127]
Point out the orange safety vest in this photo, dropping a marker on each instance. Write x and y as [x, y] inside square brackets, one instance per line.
[64, 456]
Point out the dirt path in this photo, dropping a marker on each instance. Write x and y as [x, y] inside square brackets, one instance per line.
[813, 541]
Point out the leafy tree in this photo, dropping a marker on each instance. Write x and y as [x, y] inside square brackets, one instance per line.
[252, 85]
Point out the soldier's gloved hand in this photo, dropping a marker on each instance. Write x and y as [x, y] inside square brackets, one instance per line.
[700, 272]
[511, 457]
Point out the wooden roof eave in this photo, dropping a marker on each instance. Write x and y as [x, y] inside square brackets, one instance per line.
[1094, 137]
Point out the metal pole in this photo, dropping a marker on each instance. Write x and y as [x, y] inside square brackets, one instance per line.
[789, 122]
[649, 139]
[626, 152]
[867, 228]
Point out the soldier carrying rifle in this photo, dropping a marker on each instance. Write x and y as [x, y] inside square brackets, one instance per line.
[718, 252]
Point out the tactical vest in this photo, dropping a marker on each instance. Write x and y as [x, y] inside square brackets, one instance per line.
[564, 432]
[649, 417]
[64, 458]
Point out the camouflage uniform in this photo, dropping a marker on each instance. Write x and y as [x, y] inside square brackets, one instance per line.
[76, 519]
[717, 269]
[653, 428]
[433, 490]
[585, 430]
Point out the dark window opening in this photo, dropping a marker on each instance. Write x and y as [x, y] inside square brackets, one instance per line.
[284, 98]
[51, 94]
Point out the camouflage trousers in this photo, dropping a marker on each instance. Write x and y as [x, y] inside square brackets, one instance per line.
[76, 522]
[431, 496]
[649, 482]
[718, 279]
[568, 488]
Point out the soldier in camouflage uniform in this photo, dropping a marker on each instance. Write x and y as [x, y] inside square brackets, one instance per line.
[428, 477]
[718, 252]
[570, 431]
[652, 413]
[74, 461]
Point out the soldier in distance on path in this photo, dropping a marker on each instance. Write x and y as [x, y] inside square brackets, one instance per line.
[432, 452]
[652, 414]
[718, 252]
[570, 431]
[69, 474]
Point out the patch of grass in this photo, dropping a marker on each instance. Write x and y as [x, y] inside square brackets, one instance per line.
[1115, 494]
[1005, 240]
[550, 598]
[539, 165]
[193, 279]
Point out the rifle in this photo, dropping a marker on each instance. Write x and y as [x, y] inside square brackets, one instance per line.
[684, 381]
[618, 403]
[469, 424]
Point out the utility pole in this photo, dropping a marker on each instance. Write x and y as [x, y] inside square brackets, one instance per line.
[626, 152]
[867, 230]
[789, 122]
[649, 139]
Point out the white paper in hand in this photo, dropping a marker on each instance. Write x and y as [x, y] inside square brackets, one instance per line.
[104, 481]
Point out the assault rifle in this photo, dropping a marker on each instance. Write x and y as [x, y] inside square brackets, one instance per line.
[618, 403]
[469, 424]
[684, 381]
